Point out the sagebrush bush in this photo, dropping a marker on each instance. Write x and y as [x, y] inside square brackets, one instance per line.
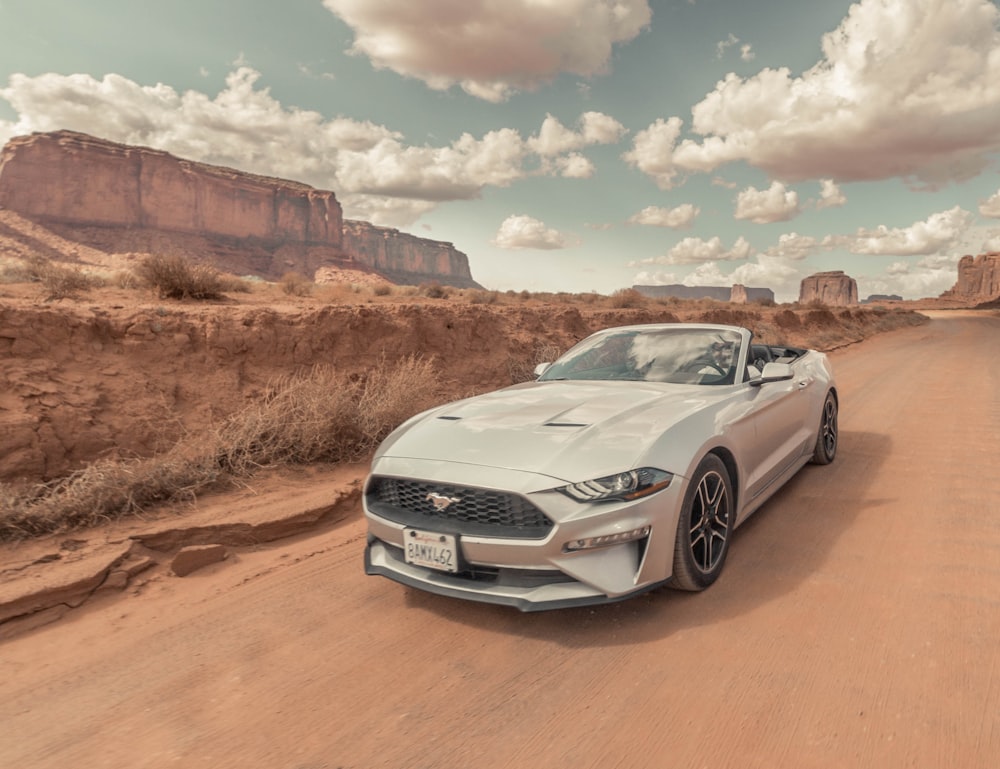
[627, 299]
[434, 291]
[103, 491]
[321, 416]
[173, 277]
[296, 284]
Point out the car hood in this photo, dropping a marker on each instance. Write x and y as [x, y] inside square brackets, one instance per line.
[572, 430]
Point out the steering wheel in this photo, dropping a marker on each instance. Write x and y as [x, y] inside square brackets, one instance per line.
[699, 363]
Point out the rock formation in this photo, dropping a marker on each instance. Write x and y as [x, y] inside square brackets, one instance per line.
[873, 298]
[833, 288]
[72, 178]
[125, 199]
[738, 293]
[406, 258]
[978, 279]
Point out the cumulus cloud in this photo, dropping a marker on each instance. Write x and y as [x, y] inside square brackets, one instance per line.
[990, 207]
[939, 232]
[491, 49]
[520, 232]
[652, 151]
[377, 176]
[697, 250]
[905, 88]
[677, 218]
[931, 276]
[775, 204]
[796, 247]
[830, 195]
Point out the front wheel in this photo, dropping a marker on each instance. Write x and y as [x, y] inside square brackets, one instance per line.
[704, 527]
[826, 439]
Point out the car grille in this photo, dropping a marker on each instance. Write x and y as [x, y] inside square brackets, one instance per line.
[469, 511]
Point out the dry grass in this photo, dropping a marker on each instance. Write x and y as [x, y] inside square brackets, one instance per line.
[58, 281]
[319, 416]
[103, 491]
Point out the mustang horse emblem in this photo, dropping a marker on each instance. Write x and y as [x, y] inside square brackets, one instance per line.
[440, 501]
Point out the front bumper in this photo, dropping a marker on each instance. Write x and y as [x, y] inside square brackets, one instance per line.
[537, 573]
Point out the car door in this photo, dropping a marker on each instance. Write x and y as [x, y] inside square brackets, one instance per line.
[780, 414]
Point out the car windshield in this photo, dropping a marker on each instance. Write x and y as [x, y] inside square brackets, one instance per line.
[679, 356]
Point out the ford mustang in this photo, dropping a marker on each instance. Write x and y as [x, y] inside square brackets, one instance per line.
[625, 466]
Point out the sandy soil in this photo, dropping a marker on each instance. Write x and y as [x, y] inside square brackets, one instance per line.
[855, 626]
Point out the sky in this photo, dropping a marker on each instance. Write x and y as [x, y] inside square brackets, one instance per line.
[566, 145]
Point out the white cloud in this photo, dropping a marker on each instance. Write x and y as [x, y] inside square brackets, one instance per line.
[652, 151]
[491, 49]
[593, 128]
[830, 195]
[746, 52]
[931, 276]
[795, 247]
[939, 232]
[905, 88]
[722, 45]
[680, 217]
[775, 204]
[696, 251]
[990, 207]
[520, 231]
[645, 278]
[375, 174]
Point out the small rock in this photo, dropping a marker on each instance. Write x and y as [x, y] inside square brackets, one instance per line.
[194, 557]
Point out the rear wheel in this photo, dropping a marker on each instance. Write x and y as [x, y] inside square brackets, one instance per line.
[826, 439]
[704, 527]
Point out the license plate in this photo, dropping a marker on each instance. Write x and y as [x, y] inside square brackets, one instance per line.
[430, 549]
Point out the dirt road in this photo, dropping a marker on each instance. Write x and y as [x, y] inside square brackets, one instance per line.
[856, 625]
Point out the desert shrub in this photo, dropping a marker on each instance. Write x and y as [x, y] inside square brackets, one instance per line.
[627, 299]
[787, 319]
[434, 291]
[382, 289]
[66, 282]
[295, 284]
[103, 491]
[322, 416]
[174, 278]
[765, 301]
[484, 297]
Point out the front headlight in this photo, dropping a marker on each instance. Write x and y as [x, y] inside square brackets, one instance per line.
[629, 485]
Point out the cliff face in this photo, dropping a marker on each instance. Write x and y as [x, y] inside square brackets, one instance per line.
[72, 178]
[978, 279]
[122, 199]
[834, 288]
[406, 258]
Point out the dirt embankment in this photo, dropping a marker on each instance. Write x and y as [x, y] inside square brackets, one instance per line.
[121, 372]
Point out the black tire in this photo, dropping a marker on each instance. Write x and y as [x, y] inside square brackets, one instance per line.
[704, 527]
[825, 450]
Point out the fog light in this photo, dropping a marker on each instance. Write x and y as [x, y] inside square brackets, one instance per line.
[589, 543]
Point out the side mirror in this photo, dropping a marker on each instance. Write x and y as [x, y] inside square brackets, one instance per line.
[773, 372]
[541, 368]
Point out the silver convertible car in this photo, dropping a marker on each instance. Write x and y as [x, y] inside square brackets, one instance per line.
[625, 466]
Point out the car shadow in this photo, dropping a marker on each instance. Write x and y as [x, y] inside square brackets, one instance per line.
[774, 551]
